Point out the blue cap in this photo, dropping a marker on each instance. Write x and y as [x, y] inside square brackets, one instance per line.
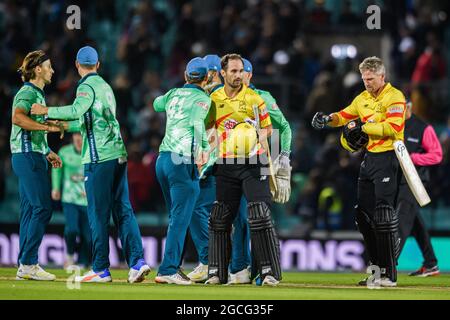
[213, 61]
[87, 55]
[197, 68]
[247, 66]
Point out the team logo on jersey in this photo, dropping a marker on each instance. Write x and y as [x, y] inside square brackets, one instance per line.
[242, 107]
[202, 105]
[230, 124]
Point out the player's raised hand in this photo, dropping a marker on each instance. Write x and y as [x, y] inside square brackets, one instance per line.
[54, 159]
[320, 120]
[38, 109]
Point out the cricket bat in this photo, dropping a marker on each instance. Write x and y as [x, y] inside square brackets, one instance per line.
[411, 175]
[265, 145]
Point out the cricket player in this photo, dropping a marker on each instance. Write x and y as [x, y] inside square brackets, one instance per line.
[70, 179]
[198, 228]
[105, 169]
[184, 146]
[30, 153]
[377, 115]
[425, 150]
[241, 259]
[215, 80]
[240, 173]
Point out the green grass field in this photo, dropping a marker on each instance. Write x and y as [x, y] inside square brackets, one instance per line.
[295, 286]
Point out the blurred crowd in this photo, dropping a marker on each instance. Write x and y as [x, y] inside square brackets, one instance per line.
[144, 46]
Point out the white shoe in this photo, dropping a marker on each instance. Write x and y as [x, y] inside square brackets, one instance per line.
[91, 276]
[270, 281]
[213, 280]
[240, 277]
[199, 274]
[33, 272]
[138, 273]
[173, 279]
[386, 282]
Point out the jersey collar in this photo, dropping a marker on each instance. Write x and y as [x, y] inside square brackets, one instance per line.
[386, 88]
[193, 86]
[217, 87]
[87, 76]
[35, 87]
[240, 95]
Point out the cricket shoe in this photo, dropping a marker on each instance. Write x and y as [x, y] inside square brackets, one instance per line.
[199, 274]
[33, 272]
[240, 277]
[91, 276]
[363, 282]
[213, 280]
[176, 278]
[270, 281]
[386, 282]
[426, 272]
[138, 272]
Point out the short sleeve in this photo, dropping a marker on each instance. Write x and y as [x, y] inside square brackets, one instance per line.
[25, 100]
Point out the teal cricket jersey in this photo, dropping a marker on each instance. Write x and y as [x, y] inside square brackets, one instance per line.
[186, 110]
[70, 177]
[95, 109]
[279, 122]
[22, 140]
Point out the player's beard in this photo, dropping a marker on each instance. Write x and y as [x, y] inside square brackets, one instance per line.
[235, 83]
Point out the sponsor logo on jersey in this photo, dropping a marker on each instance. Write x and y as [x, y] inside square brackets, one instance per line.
[202, 105]
[82, 94]
[395, 109]
[275, 106]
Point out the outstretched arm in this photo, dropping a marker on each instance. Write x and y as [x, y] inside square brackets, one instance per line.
[83, 102]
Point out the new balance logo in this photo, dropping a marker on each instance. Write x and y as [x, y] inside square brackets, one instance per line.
[386, 180]
[213, 271]
[266, 270]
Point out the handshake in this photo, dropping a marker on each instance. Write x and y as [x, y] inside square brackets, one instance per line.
[52, 125]
[56, 126]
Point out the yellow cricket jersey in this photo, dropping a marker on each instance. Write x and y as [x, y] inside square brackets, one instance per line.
[225, 113]
[384, 117]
